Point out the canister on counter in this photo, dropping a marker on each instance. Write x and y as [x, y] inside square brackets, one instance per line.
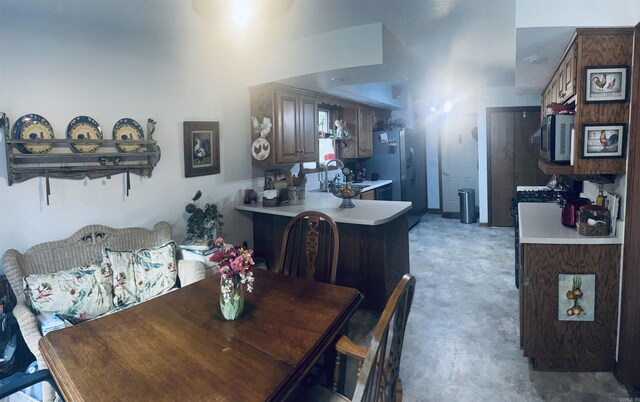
[594, 220]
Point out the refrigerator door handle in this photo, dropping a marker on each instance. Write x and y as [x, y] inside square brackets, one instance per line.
[411, 167]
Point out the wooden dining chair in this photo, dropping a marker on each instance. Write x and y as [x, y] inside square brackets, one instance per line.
[310, 247]
[378, 376]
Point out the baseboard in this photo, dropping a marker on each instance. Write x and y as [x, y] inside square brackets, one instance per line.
[451, 215]
[433, 211]
[484, 224]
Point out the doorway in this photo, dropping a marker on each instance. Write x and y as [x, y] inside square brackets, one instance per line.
[458, 149]
[512, 157]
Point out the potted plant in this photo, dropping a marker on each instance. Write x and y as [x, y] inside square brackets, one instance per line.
[204, 223]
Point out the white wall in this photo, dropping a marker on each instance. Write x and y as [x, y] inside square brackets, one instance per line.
[61, 66]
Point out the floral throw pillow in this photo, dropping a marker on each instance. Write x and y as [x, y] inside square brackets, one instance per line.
[78, 294]
[141, 274]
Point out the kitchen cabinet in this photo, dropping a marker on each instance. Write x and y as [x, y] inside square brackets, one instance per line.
[294, 116]
[368, 195]
[549, 336]
[558, 345]
[360, 121]
[589, 47]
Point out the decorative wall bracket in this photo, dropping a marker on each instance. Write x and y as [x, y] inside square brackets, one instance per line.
[62, 163]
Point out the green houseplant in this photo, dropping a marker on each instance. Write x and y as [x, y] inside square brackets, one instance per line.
[203, 223]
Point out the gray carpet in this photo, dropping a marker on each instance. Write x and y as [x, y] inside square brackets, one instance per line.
[462, 338]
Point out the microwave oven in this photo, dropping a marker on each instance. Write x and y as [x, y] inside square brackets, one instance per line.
[555, 138]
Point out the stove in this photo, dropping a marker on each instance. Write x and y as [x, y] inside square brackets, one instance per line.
[539, 194]
[531, 194]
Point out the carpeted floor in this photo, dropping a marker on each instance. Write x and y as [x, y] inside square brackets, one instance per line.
[462, 339]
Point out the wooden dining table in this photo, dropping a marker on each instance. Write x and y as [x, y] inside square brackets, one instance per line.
[179, 347]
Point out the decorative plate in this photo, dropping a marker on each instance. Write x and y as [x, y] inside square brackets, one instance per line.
[33, 127]
[260, 149]
[84, 128]
[127, 130]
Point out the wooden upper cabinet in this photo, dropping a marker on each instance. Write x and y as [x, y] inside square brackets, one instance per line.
[308, 125]
[287, 112]
[366, 117]
[589, 47]
[568, 73]
[294, 116]
[293, 137]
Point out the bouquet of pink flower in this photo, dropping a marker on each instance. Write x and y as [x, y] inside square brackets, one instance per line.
[234, 264]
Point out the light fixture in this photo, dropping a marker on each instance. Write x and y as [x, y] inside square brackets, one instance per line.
[241, 12]
[433, 109]
[447, 107]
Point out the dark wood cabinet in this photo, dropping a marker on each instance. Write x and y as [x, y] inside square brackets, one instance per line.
[360, 120]
[366, 117]
[558, 345]
[294, 115]
[589, 47]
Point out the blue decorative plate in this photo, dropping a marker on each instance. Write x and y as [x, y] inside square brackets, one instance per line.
[127, 130]
[33, 127]
[84, 128]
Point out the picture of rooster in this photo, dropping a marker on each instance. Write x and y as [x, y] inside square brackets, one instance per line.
[600, 83]
[612, 84]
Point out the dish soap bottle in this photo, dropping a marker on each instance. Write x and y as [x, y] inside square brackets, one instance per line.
[600, 197]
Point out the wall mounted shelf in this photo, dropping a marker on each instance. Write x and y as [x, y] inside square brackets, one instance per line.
[62, 162]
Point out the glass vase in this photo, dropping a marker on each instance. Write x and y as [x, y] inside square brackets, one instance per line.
[231, 299]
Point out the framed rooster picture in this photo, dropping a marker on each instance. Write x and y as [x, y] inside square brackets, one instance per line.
[201, 148]
[603, 140]
[606, 84]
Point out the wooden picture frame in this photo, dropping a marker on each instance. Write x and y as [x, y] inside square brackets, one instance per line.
[201, 148]
[603, 140]
[606, 84]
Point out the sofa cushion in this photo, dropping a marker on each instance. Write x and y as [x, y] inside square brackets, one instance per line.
[78, 294]
[141, 274]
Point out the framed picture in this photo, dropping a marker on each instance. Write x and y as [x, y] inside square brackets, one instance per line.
[603, 140]
[201, 148]
[576, 297]
[606, 84]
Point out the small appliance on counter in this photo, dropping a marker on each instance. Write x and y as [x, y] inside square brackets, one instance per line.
[570, 211]
[594, 220]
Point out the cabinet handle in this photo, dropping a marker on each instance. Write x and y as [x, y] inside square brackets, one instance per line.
[526, 280]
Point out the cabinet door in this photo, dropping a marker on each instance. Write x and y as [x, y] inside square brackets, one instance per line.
[569, 68]
[368, 195]
[308, 129]
[286, 132]
[365, 132]
[348, 147]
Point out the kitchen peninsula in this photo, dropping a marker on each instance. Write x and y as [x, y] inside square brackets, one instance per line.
[374, 240]
[555, 262]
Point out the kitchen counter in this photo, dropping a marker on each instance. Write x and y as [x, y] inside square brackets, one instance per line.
[366, 212]
[374, 240]
[372, 185]
[540, 223]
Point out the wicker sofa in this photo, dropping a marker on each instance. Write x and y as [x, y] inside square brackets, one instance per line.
[83, 247]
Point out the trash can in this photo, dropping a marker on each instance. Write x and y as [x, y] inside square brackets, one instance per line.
[467, 205]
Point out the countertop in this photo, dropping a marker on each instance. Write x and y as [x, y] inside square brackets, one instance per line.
[366, 212]
[540, 223]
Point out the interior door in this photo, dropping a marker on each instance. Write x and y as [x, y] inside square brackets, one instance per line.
[513, 158]
[458, 158]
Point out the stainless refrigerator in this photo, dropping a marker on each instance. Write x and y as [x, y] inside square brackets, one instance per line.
[400, 155]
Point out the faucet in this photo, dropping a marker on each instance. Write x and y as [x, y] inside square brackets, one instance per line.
[324, 186]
